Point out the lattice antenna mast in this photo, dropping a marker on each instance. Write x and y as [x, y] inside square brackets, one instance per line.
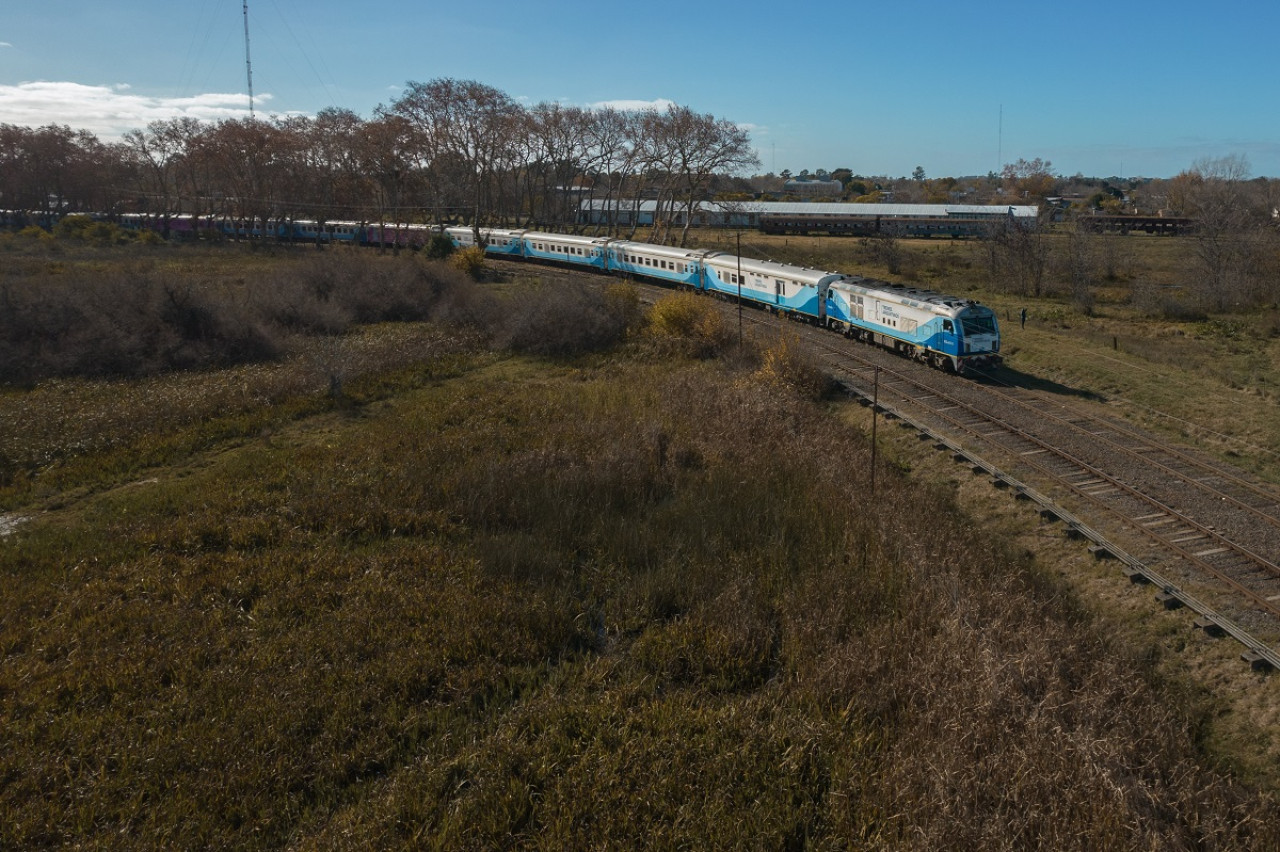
[248, 64]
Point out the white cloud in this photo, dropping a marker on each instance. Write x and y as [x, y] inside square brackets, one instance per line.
[660, 104]
[107, 111]
[5, 44]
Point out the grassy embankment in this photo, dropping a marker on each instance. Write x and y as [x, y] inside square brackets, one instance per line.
[476, 599]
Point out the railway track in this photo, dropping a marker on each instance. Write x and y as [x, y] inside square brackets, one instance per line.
[1132, 496]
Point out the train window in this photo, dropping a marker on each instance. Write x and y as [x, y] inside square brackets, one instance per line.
[946, 325]
[978, 324]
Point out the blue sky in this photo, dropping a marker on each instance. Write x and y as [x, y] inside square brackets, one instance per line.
[1099, 88]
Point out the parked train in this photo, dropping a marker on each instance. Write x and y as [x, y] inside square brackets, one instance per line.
[300, 230]
[943, 331]
[804, 224]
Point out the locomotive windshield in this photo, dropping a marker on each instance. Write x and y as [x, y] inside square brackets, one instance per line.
[974, 323]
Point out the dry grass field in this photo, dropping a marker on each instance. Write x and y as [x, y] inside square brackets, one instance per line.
[421, 584]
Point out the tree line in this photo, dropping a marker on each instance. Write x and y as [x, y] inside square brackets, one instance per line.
[445, 150]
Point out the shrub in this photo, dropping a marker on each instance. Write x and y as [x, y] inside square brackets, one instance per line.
[35, 232]
[1165, 302]
[691, 320]
[563, 319]
[439, 247]
[73, 226]
[469, 260]
[134, 320]
[789, 366]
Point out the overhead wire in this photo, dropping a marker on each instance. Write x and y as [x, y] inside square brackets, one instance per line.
[283, 55]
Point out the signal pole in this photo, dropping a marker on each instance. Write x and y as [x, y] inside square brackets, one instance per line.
[739, 287]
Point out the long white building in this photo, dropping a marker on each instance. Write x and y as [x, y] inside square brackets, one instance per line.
[746, 214]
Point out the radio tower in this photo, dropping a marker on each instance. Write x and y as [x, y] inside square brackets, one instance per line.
[248, 65]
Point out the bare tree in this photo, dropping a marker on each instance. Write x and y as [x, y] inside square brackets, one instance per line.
[705, 146]
[613, 154]
[463, 130]
[1231, 232]
[158, 153]
[250, 159]
[383, 151]
[558, 152]
[1017, 255]
[52, 169]
[1029, 178]
[1080, 267]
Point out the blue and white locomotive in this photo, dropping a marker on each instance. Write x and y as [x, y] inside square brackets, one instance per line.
[944, 331]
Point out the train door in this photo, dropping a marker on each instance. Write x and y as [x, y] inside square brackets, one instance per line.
[779, 287]
[947, 340]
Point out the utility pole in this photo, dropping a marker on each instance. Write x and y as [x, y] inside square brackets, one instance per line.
[875, 412]
[248, 65]
[739, 288]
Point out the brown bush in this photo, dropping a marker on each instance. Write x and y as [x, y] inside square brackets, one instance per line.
[560, 319]
[691, 321]
[129, 318]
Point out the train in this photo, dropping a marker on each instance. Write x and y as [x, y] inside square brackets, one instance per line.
[946, 332]
[185, 226]
[804, 224]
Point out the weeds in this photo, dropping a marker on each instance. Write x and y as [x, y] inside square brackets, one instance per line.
[488, 601]
[564, 607]
[142, 320]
